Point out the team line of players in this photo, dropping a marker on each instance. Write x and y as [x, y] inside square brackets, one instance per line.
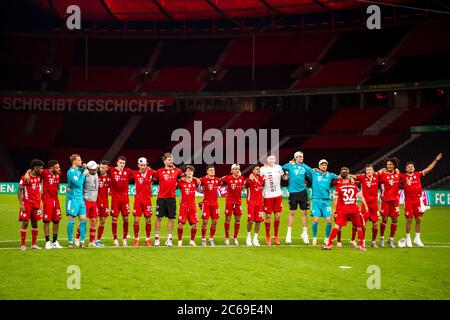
[89, 185]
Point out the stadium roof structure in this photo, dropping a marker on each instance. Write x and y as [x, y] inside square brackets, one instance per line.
[181, 10]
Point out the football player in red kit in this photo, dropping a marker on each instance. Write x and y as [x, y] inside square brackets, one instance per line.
[102, 199]
[29, 195]
[347, 194]
[188, 210]
[119, 183]
[143, 200]
[210, 207]
[413, 192]
[233, 204]
[166, 204]
[255, 204]
[51, 210]
[369, 186]
[390, 198]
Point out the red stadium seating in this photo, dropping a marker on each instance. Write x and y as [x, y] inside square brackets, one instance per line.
[295, 49]
[412, 117]
[337, 74]
[101, 79]
[426, 38]
[348, 141]
[352, 119]
[42, 133]
[172, 79]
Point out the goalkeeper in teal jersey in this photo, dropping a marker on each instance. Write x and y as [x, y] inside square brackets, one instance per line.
[75, 206]
[321, 204]
[298, 171]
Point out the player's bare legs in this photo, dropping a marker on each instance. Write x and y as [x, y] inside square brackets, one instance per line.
[417, 240]
[267, 224]
[276, 225]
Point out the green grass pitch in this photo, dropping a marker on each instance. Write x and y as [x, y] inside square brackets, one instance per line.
[276, 272]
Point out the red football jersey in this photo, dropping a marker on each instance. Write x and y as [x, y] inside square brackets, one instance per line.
[346, 193]
[412, 185]
[389, 182]
[255, 190]
[369, 187]
[210, 186]
[187, 192]
[143, 182]
[32, 192]
[50, 184]
[103, 187]
[119, 182]
[167, 182]
[234, 188]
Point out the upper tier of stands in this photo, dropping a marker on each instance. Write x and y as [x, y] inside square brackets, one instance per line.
[419, 52]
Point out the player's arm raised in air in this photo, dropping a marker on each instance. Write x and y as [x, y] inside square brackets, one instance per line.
[432, 165]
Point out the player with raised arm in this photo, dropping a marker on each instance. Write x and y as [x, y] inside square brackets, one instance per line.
[390, 198]
[255, 204]
[209, 206]
[90, 194]
[369, 186]
[298, 197]
[119, 177]
[321, 206]
[29, 195]
[102, 199]
[233, 204]
[51, 209]
[166, 204]
[75, 206]
[347, 194]
[143, 200]
[273, 201]
[188, 210]
[413, 192]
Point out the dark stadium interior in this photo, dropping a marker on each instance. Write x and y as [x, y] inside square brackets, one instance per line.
[314, 70]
